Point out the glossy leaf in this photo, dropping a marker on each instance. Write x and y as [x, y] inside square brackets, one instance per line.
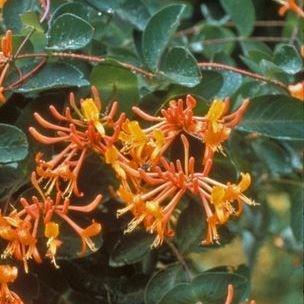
[69, 32]
[191, 227]
[159, 32]
[276, 116]
[136, 12]
[242, 12]
[162, 282]
[116, 83]
[131, 249]
[180, 66]
[287, 57]
[12, 11]
[13, 144]
[55, 75]
[208, 287]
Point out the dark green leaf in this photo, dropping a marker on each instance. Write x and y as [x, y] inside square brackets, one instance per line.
[272, 71]
[273, 155]
[13, 144]
[206, 41]
[232, 81]
[209, 287]
[288, 58]
[276, 116]
[136, 12]
[158, 33]
[69, 32]
[56, 75]
[242, 12]
[108, 6]
[179, 65]
[74, 8]
[116, 83]
[131, 248]
[12, 11]
[162, 282]
[191, 227]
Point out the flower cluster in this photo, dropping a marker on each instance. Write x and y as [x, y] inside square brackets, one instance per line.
[151, 184]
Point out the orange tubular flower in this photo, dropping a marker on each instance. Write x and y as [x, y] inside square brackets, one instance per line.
[164, 186]
[297, 90]
[87, 132]
[6, 52]
[20, 229]
[8, 274]
[290, 5]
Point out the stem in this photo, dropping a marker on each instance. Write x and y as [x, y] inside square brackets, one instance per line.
[95, 59]
[26, 76]
[181, 259]
[22, 44]
[219, 66]
[257, 38]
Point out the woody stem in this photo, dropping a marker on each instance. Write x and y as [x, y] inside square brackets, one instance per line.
[180, 258]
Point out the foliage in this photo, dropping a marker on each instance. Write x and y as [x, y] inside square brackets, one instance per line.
[140, 55]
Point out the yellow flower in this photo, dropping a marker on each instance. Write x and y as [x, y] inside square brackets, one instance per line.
[133, 138]
[223, 196]
[91, 113]
[112, 158]
[216, 132]
[93, 230]
[51, 232]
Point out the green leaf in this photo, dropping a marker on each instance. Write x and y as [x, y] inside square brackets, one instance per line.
[209, 287]
[74, 8]
[203, 42]
[108, 6]
[9, 176]
[54, 75]
[191, 227]
[276, 116]
[162, 282]
[273, 155]
[13, 144]
[116, 83]
[288, 58]
[12, 11]
[272, 71]
[158, 33]
[136, 12]
[131, 248]
[69, 32]
[232, 81]
[242, 12]
[180, 66]
[31, 19]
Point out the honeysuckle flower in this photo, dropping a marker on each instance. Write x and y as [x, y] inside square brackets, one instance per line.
[154, 201]
[21, 237]
[178, 117]
[216, 126]
[297, 90]
[6, 50]
[2, 2]
[290, 5]
[51, 232]
[81, 134]
[20, 228]
[8, 275]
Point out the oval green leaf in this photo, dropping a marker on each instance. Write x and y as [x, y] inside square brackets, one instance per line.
[69, 32]
[13, 144]
[159, 32]
[180, 66]
[276, 116]
[242, 12]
